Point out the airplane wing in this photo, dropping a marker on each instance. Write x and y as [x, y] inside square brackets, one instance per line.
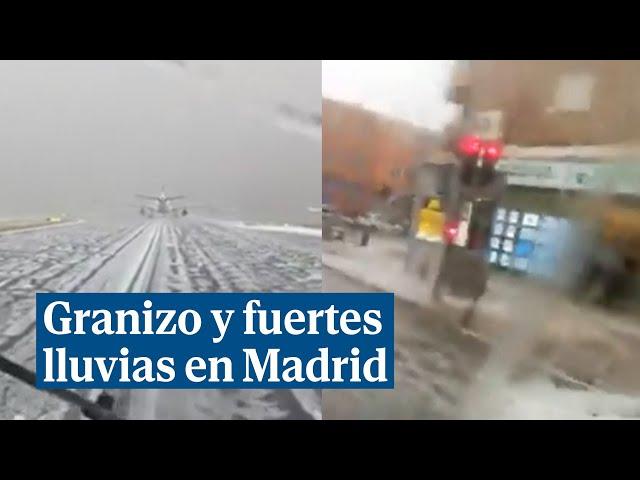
[177, 197]
[147, 197]
[194, 207]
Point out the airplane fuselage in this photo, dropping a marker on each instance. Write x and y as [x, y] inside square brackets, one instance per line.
[162, 206]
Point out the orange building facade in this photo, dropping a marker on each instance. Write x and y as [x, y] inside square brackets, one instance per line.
[366, 155]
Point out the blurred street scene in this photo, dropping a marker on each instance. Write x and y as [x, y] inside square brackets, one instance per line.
[502, 210]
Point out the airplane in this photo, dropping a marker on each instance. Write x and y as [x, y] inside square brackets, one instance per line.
[163, 205]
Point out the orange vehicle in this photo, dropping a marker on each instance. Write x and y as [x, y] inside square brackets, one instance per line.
[613, 258]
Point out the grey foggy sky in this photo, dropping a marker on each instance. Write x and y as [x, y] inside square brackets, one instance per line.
[412, 90]
[85, 136]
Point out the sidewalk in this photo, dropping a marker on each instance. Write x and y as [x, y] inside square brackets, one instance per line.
[523, 318]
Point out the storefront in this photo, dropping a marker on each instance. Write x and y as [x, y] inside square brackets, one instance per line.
[541, 228]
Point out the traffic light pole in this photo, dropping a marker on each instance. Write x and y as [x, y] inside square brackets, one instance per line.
[453, 195]
[462, 266]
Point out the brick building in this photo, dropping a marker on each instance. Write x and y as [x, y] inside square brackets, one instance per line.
[553, 102]
[366, 155]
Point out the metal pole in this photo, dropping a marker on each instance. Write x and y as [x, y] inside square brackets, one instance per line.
[90, 409]
[454, 194]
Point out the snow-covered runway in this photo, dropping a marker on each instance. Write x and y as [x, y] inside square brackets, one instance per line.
[184, 255]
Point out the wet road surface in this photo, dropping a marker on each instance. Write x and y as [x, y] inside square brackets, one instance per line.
[434, 364]
[445, 372]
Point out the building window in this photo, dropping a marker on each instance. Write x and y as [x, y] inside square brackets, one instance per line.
[359, 161]
[362, 128]
[573, 93]
[333, 118]
[397, 172]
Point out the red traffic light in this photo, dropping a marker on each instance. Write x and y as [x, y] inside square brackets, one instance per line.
[450, 231]
[492, 151]
[469, 145]
[473, 146]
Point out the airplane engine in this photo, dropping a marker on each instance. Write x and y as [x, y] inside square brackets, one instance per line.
[146, 212]
[184, 212]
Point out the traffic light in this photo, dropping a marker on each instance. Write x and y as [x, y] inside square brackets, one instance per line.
[475, 189]
[472, 196]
